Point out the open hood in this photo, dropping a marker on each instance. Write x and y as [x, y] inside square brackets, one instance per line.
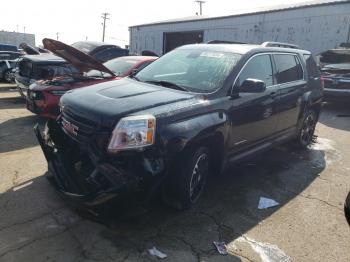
[80, 60]
[29, 49]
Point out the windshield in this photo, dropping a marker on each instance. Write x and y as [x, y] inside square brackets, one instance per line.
[195, 70]
[120, 66]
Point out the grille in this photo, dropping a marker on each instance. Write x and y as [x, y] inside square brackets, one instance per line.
[80, 129]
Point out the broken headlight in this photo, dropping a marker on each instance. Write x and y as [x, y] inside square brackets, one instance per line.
[133, 132]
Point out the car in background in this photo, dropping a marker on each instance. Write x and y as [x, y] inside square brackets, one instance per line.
[100, 50]
[43, 96]
[32, 68]
[192, 112]
[7, 47]
[8, 62]
[335, 68]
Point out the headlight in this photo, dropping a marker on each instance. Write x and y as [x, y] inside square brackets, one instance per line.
[58, 92]
[133, 132]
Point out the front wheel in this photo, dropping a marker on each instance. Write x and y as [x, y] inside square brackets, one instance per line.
[306, 136]
[8, 76]
[186, 183]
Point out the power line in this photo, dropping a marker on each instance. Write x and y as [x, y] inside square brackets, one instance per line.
[104, 17]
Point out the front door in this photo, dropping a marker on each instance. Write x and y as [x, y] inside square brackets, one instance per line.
[253, 116]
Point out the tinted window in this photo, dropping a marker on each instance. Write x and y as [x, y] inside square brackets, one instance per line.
[288, 68]
[311, 65]
[259, 67]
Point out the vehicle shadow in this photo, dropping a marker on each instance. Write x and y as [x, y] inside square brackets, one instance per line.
[226, 211]
[336, 115]
[17, 133]
[12, 102]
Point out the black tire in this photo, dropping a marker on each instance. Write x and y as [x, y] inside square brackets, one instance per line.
[347, 208]
[186, 182]
[7, 76]
[305, 135]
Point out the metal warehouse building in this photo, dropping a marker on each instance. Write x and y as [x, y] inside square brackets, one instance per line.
[15, 38]
[315, 26]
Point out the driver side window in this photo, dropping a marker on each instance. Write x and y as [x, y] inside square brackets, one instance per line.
[259, 67]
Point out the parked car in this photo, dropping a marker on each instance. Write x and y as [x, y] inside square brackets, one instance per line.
[189, 113]
[8, 61]
[100, 50]
[40, 67]
[43, 96]
[335, 67]
[7, 47]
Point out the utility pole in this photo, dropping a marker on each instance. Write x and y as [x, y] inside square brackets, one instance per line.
[24, 29]
[200, 2]
[57, 35]
[104, 17]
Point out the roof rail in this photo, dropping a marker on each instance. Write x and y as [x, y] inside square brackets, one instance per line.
[223, 42]
[279, 44]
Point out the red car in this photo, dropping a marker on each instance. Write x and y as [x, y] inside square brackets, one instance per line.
[44, 95]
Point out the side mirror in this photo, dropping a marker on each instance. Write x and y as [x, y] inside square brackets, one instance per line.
[251, 85]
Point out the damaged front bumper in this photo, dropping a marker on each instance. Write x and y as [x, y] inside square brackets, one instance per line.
[95, 181]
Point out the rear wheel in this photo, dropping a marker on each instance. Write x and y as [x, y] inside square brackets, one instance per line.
[306, 133]
[186, 183]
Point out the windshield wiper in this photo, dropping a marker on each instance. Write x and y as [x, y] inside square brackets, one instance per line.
[167, 84]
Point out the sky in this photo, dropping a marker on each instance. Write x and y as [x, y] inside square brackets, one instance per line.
[76, 20]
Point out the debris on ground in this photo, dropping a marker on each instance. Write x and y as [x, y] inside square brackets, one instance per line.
[221, 247]
[267, 252]
[266, 203]
[155, 252]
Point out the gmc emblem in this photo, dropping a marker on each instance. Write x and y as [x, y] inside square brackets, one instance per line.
[73, 129]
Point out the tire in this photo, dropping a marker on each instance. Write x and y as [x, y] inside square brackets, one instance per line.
[7, 76]
[186, 182]
[305, 135]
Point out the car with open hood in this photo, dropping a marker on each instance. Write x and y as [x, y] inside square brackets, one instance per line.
[8, 62]
[189, 114]
[335, 68]
[31, 68]
[44, 95]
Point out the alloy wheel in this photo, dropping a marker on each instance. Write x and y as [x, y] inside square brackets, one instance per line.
[199, 173]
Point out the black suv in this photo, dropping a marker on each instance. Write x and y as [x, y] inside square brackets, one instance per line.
[186, 115]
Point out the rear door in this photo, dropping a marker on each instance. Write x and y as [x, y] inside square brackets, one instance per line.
[291, 87]
[252, 115]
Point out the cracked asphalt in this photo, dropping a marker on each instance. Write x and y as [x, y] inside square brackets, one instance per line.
[308, 225]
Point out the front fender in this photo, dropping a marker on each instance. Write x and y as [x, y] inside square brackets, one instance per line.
[177, 135]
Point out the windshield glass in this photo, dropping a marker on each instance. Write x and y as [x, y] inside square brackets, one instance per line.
[196, 70]
[120, 66]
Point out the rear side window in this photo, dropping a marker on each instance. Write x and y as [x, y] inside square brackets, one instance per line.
[311, 66]
[288, 67]
[259, 67]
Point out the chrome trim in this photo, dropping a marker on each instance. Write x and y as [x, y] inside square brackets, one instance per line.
[269, 53]
[337, 90]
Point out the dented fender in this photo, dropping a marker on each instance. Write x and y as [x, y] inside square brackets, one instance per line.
[183, 132]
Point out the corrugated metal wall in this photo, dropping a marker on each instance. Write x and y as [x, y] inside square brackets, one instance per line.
[14, 38]
[313, 28]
